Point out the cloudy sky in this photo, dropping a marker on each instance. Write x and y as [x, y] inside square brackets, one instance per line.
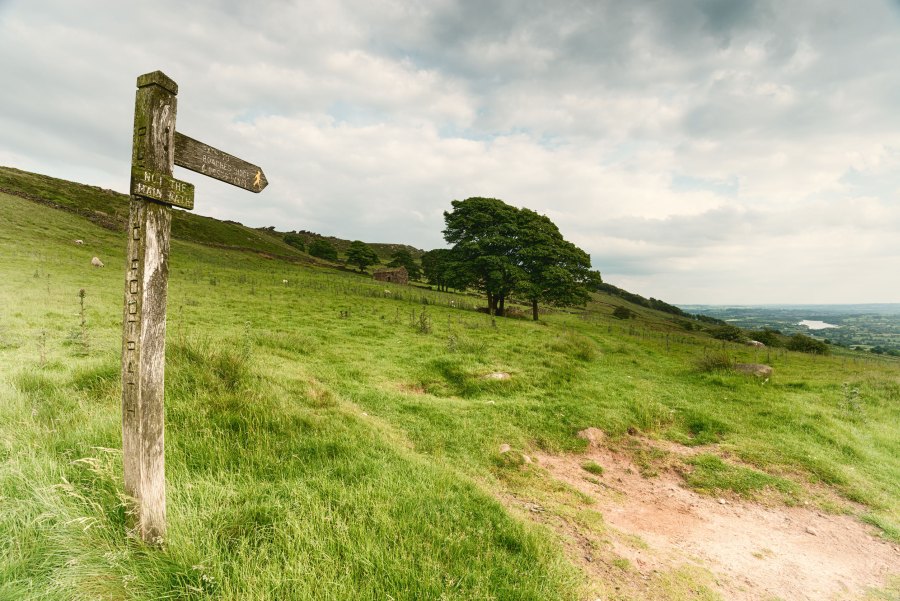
[702, 151]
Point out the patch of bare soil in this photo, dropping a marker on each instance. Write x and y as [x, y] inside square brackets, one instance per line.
[754, 552]
[410, 388]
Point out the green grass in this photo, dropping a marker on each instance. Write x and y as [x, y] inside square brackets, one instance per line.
[319, 445]
[592, 467]
[712, 475]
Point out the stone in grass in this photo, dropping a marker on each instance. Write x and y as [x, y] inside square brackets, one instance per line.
[497, 375]
[754, 369]
[510, 457]
[594, 436]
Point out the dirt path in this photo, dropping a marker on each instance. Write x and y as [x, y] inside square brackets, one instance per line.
[754, 552]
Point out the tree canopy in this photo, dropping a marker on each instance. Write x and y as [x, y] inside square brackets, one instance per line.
[484, 234]
[361, 255]
[294, 240]
[436, 267]
[502, 250]
[322, 248]
[555, 270]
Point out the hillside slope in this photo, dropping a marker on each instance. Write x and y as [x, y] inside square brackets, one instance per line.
[109, 209]
[330, 437]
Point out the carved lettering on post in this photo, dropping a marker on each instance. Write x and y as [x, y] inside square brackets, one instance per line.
[161, 187]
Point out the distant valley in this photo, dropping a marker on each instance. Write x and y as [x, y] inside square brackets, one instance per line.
[872, 327]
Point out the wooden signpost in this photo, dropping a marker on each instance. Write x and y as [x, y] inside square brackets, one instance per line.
[156, 148]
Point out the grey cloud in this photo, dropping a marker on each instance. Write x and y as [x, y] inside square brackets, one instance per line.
[777, 119]
[730, 223]
[722, 15]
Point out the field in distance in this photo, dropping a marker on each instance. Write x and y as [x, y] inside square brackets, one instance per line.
[872, 327]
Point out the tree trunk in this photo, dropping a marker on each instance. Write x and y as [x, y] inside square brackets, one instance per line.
[502, 305]
[492, 303]
[534, 309]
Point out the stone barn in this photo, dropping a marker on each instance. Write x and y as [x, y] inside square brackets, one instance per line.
[395, 276]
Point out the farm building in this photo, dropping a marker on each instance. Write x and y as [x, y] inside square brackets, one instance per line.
[396, 276]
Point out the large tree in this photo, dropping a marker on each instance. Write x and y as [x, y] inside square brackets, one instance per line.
[500, 249]
[484, 233]
[555, 270]
[361, 255]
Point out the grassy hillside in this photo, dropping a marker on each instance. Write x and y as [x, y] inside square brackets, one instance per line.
[331, 438]
[109, 209]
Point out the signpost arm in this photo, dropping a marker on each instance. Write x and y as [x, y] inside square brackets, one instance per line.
[144, 323]
[212, 162]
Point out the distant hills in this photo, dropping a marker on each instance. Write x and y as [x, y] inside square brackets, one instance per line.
[839, 309]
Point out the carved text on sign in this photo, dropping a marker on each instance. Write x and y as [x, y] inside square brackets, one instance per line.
[163, 188]
[212, 162]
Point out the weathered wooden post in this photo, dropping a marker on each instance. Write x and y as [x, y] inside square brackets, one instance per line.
[144, 324]
[156, 148]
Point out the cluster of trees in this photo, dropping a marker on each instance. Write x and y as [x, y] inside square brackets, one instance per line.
[362, 256]
[359, 254]
[883, 350]
[497, 249]
[729, 332]
[502, 250]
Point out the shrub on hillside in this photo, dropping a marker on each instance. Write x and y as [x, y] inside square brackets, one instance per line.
[592, 467]
[295, 241]
[622, 313]
[715, 362]
[323, 249]
[769, 337]
[728, 332]
[806, 344]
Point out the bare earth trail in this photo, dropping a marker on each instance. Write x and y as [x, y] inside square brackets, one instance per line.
[754, 552]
